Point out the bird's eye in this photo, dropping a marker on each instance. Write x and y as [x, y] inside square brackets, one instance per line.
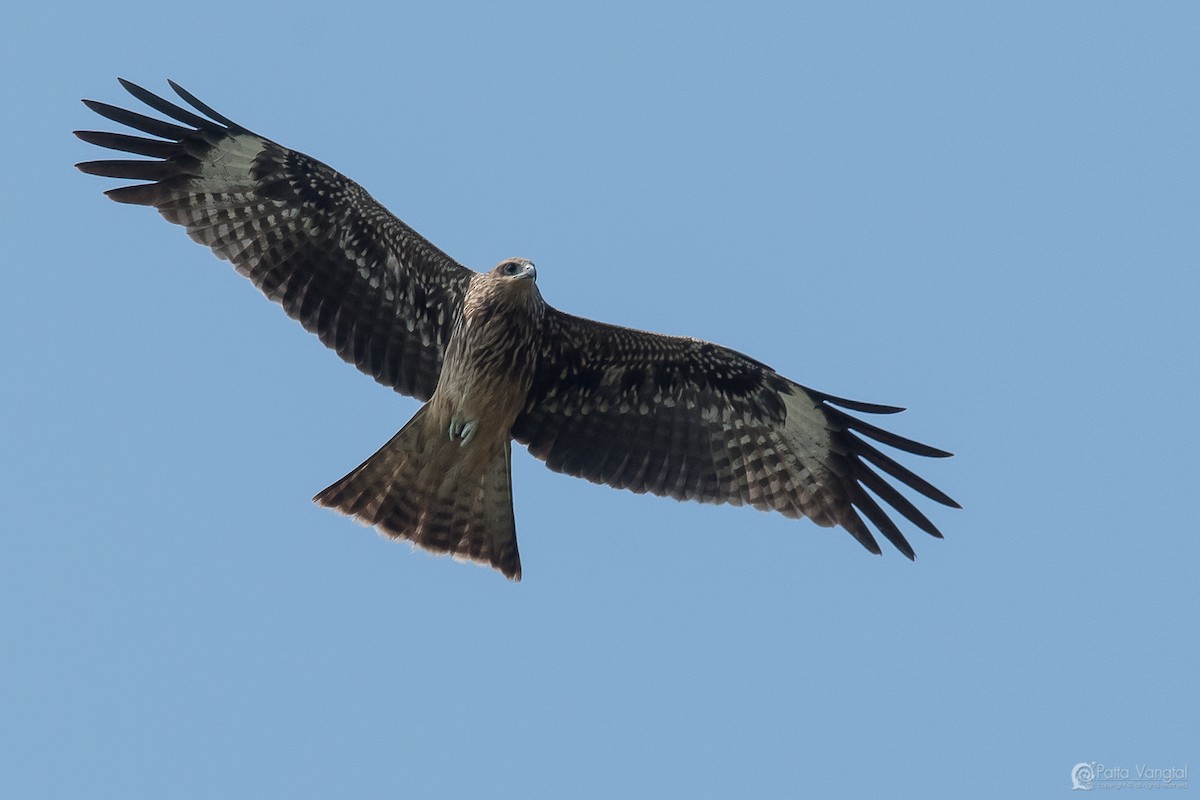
[511, 268]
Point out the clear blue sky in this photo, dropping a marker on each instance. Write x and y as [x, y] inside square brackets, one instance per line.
[989, 216]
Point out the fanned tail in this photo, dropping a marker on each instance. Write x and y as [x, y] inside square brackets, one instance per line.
[417, 487]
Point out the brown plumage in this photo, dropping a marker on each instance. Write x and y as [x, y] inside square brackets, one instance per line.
[670, 415]
[443, 481]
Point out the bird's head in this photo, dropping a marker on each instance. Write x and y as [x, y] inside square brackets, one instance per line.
[515, 269]
[512, 283]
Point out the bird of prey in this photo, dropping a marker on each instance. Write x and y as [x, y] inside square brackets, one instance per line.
[670, 415]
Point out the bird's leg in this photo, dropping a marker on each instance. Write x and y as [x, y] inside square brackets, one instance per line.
[463, 429]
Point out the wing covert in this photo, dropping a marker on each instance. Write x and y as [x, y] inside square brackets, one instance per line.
[310, 239]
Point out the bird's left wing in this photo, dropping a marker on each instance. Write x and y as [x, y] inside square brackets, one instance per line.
[693, 420]
[311, 239]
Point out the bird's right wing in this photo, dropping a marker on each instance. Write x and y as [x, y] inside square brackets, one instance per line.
[311, 239]
[692, 420]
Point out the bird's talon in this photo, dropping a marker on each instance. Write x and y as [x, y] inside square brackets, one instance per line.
[462, 430]
[467, 432]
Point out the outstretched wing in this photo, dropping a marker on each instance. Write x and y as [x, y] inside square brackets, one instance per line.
[311, 239]
[696, 421]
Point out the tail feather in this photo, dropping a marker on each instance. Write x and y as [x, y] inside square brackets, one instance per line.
[417, 487]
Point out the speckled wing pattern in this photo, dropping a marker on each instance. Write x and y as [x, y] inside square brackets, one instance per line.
[311, 239]
[692, 420]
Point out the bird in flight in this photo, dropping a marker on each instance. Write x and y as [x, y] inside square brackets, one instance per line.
[493, 362]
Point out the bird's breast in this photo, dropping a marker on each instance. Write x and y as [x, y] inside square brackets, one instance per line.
[487, 370]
